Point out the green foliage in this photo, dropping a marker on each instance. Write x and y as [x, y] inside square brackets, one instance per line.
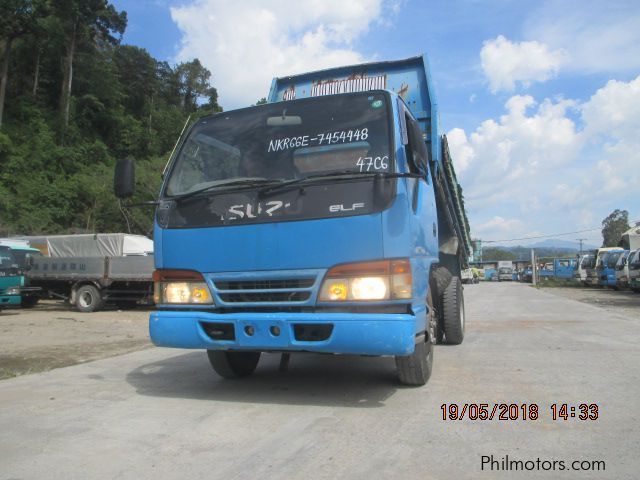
[494, 253]
[123, 103]
[616, 223]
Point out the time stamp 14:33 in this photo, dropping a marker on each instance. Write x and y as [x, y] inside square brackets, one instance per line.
[518, 411]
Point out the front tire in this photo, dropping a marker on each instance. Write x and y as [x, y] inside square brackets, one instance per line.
[233, 364]
[415, 369]
[453, 312]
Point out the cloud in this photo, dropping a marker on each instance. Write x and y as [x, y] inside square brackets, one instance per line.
[559, 163]
[599, 36]
[246, 43]
[499, 224]
[506, 63]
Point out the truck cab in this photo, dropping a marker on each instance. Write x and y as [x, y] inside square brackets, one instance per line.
[633, 264]
[563, 268]
[584, 261]
[606, 268]
[594, 271]
[327, 220]
[622, 270]
[11, 279]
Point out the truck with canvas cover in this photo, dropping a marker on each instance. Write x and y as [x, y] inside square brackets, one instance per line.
[89, 270]
[327, 220]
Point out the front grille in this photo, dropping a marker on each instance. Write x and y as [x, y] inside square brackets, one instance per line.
[253, 297]
[265, 284]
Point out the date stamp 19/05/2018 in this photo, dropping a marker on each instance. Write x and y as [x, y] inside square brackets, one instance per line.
[518, 411]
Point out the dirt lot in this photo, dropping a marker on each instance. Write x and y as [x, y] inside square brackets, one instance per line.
[623, 302]
[52, 335]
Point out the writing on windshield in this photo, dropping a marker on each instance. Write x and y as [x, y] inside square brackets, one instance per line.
[283, 142]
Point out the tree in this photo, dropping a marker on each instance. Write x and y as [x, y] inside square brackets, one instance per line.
[84, 20]
[614, 226]
[16, 19]
[497, 253]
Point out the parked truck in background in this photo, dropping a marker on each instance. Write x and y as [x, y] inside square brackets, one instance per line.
[606, 267]
[594, 272]
[327, 220]
[90, 270]
[622, 270]
[584, 262]
[10, 279]
[505, 270]
[634, 270]
[23, 254]
[563, 268]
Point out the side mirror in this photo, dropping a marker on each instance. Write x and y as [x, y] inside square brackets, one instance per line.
[28, 264]
[124, 179]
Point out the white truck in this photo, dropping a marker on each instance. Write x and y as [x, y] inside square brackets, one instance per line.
[505, 270]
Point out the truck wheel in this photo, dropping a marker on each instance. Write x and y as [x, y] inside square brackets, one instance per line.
[453, 312]
[233, 364]
[89, 299]
[415, 369]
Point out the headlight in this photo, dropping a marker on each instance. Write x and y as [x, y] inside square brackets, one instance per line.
[12, 291]
[382, 280]
[181, 287]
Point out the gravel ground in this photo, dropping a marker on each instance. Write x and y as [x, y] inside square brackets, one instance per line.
[51, 335]
[623, 302]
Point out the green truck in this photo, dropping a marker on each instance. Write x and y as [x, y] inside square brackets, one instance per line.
[11, 279]
[15, 261]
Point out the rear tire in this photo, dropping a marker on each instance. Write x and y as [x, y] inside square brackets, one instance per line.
[415, 369]
[453, 312]
[89, 299]
[233, 364]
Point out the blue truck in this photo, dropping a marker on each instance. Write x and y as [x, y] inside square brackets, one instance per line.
[327, 220]
[607, 268]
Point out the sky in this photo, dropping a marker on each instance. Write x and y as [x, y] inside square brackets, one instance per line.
[540, 100]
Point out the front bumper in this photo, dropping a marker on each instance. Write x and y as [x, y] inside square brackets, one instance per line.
[10, 300]
[350, 333]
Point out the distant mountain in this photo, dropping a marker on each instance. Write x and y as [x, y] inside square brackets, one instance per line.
[558, 243]
[551, 243]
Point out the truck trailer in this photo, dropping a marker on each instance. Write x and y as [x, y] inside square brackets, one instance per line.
[327, 220]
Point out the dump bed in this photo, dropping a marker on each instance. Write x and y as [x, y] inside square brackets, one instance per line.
[411, 80]
[408, 78]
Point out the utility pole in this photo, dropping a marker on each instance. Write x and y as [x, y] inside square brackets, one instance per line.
[580, 240]
[533, 267]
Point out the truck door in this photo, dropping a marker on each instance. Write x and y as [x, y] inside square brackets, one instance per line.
[421, 195]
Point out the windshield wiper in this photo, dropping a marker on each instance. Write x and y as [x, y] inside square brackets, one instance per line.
[299, 182]
[224, 186]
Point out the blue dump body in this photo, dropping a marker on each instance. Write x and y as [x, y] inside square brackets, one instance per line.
[265, 273]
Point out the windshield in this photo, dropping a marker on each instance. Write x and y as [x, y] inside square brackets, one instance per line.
[285, 141]
[21, 256]
[6, 258]
[613, 259]
[505, 270]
